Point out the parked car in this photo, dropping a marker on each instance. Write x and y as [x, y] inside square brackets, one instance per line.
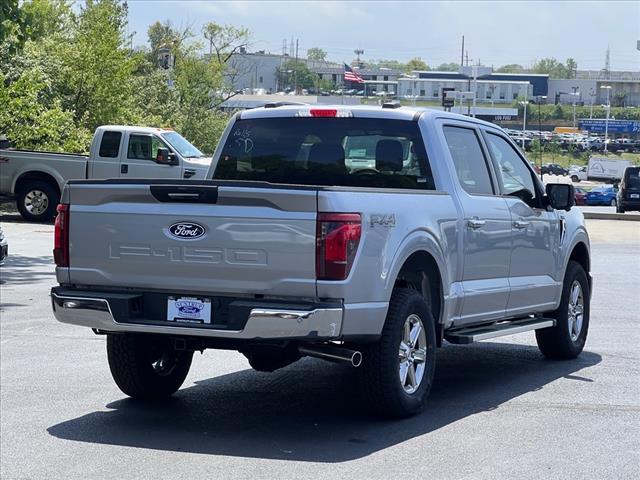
[37, 178]
[293, 249]
[554, 169]
[578, 174]
[580, 194]
[4, 247]
[602, 196]
[628, 196]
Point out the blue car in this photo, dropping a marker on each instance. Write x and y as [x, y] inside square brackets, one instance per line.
[601, 196]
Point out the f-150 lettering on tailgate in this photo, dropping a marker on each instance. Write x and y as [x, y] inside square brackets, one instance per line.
[213, 255]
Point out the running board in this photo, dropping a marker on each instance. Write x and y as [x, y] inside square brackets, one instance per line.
[484, 332]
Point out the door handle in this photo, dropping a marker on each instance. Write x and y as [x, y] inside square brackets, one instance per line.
[188, 173]
[475, 223]
[124, 168]
[520, 224]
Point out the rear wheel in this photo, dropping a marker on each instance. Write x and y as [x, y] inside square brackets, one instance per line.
[613, 202]
[397, 371]
[147, 367]
[619, 209]
[567, 338]
[37, 201]
[575, 179]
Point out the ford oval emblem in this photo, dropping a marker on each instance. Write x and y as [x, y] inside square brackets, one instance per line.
[186, 230]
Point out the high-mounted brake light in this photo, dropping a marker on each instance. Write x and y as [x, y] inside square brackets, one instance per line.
[325, 113]
[61, 236]
[337, 239]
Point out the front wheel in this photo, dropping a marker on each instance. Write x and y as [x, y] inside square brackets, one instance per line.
[567, 338]
[146, 367]
[397, 371]
[575, 179]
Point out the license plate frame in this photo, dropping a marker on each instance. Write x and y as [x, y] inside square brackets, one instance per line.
[634, 195]
[189, 310]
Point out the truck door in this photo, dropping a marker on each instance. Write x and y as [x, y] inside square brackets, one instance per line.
[536, 232]
[139, 158]
[103, 161]
[485, 230]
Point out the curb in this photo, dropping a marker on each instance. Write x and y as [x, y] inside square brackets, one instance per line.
[611, 216]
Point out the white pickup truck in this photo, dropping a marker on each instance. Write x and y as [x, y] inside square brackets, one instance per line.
[37, 178]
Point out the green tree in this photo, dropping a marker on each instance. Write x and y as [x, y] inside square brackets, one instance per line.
[555, 68]
[32, 122]
[294, 74]
[448, 67]
[416, 64]
[510, 68]
[317, 54]
[571, 67]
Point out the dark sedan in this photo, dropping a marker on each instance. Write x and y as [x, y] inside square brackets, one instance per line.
[554, 169]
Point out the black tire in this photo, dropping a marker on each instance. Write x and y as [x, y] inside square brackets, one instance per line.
[379, 374]
[556, 342]
[50, 193]
[135, 364]
[619, 209]
[614, 202]
[575, 179]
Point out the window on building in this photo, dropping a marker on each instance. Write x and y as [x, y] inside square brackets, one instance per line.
[422, 92]
[386, 77]
[515, 95]
[260, 80]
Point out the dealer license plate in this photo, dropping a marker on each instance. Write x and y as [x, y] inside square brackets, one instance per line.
[189, 310]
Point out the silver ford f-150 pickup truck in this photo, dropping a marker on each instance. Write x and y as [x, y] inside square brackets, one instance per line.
[363, 235]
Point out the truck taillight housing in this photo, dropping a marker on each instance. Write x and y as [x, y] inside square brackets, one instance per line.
[337, 239]
[61, 236]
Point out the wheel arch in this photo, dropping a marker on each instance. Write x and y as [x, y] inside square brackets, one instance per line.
[421, 272]
[36, 175]
[580, 254]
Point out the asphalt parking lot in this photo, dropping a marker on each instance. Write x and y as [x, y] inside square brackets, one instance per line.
[497, 410]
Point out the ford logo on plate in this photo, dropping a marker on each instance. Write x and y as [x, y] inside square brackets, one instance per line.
[186, 230]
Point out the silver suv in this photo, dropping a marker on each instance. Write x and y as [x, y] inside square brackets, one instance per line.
[362, 235]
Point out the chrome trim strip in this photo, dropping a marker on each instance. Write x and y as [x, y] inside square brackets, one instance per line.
[320, 323]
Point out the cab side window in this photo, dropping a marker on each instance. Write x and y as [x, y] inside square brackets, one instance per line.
[469, 160]
[514, 177]
[110, 144]
[144, 147]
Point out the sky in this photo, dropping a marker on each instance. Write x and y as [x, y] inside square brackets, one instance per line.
[496, 33]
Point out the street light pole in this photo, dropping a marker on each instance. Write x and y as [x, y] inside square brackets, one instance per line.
[606, 122]
[524, 119]
[539, 101]
[575, 94]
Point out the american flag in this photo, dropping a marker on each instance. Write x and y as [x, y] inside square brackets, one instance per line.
[351, 76]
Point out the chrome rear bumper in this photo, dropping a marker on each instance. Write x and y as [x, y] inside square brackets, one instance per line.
[263, 323]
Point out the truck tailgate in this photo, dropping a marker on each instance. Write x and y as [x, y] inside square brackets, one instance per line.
[198, 237]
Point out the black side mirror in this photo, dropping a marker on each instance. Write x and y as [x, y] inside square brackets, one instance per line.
[561, 196]
[164, 157]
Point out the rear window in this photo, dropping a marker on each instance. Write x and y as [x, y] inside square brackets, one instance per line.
[632, 177]
[110, 144]
[356, 152]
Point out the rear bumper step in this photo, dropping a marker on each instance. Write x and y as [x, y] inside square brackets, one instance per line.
[485, 332]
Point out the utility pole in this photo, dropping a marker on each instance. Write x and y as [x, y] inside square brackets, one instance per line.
[606, 122]
[358, 52]
[575, 94]
[462, 53]
[295, 71]
[466, 57]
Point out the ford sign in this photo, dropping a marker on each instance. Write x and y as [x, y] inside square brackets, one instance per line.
[186, 230]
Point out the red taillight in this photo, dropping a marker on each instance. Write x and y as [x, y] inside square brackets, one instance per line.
[337, 239]
[61, 236]
[323, 112]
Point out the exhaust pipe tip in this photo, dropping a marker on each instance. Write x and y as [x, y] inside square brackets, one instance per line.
[356, 359]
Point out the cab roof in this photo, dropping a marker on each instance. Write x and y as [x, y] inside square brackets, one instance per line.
[359, 111]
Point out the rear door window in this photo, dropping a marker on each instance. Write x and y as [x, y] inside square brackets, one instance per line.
[110, 144]
[357, 152]
[468, 160]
